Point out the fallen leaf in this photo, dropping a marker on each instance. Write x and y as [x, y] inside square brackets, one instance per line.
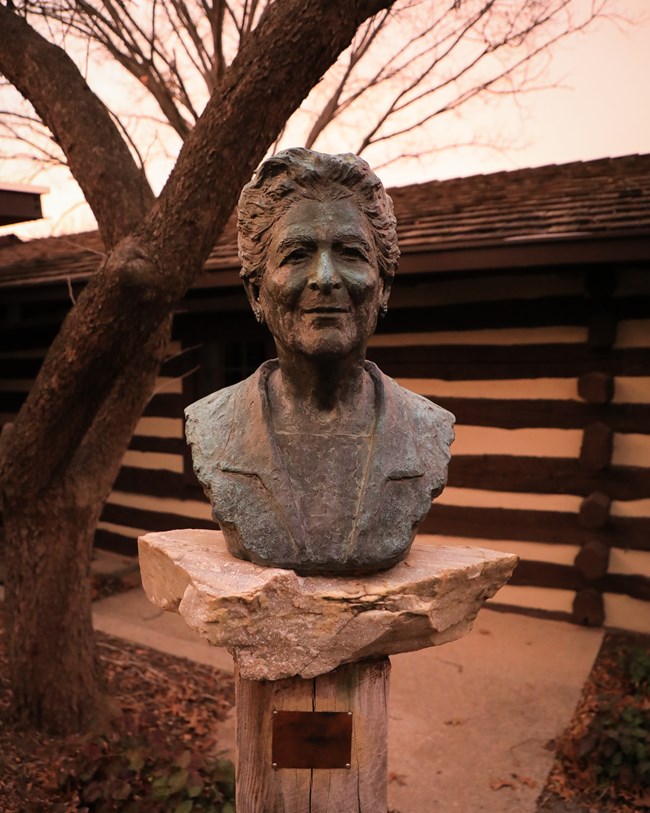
[498, 784]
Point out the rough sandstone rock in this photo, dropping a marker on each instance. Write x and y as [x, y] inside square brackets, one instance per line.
[277, 624]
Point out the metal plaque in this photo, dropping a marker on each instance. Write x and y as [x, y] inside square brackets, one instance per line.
[312, 739]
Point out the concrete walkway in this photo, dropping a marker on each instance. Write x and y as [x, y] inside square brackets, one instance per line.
[469, 721]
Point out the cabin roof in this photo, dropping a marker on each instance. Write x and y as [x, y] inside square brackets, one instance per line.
[583, 201]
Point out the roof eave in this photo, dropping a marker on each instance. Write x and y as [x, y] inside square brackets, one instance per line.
[19, 205]
[533, 253]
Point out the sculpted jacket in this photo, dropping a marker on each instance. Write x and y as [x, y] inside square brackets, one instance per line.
[239, 462]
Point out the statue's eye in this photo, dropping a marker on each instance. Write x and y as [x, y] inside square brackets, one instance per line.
[352, 252]
[295, 256]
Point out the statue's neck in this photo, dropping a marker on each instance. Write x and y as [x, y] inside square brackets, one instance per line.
[309, 396]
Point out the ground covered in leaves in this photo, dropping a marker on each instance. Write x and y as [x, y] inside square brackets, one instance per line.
[602, 760]
[161, 755]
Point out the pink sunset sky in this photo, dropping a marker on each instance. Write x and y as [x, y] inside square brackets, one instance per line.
[598, 105]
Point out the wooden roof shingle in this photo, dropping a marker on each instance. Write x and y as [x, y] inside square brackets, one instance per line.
[581, 200]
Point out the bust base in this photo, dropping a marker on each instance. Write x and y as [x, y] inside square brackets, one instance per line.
[278, 624]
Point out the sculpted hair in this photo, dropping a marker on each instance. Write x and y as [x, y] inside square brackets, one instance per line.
[297, 174]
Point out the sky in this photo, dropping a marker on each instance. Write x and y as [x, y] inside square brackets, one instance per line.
[597, 104]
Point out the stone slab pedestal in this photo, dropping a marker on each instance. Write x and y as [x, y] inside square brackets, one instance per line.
[315, 644]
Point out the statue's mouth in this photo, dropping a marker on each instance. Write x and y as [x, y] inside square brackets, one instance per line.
[325, 309]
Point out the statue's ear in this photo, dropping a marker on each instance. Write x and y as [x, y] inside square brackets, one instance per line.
[387, 283]
[252, 288]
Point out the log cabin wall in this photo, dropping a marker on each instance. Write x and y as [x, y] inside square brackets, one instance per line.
[542, 353]
[548, 375]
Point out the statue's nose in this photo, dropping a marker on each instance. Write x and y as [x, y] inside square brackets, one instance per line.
[325, 276]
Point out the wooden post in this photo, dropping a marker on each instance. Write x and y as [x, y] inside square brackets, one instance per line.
[360, 688]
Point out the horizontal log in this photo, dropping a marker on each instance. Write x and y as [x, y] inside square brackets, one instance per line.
[123, 544]
[152, 482]
[628, 584]
[559, 311]
[28, 337]
[482, 362]
[600, 283]
[21, 367]
[529, 573]
[152, 520]
[233, 325]
[551, 575]
[529, 612]
[543, 413]
[165, 405]
[553, 527]
[547, 475]
[146, 443]
[11, 402]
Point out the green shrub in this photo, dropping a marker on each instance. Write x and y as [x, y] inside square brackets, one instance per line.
[618, 745]
[636, 663]
[121, 775]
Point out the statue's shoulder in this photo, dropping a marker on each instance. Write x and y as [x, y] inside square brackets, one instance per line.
[426, 417]
[208, 421]
[214, 405]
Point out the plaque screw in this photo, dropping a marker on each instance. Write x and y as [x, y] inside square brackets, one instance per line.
[274, 765]
[275, 711]
[347, 765]
[349, 714]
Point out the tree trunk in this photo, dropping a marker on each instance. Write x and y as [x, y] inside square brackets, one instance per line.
[55, 676]
[56, 680]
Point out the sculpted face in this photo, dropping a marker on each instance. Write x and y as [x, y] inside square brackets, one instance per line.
[321, 290]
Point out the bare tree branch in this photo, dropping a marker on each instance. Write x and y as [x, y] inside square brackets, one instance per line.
[416, 53]
[470, 93]
[113, 185]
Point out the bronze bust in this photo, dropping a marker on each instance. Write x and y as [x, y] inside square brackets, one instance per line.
[318, 462]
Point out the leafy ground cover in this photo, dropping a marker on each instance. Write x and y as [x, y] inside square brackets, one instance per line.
[160, 755]
[602, 762]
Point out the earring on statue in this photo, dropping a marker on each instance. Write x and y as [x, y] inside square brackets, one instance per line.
[383, 310]
[259, 316]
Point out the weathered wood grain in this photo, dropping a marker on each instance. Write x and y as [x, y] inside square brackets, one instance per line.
[360, 688]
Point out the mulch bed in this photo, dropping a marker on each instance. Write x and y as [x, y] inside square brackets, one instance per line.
[579, 781]
[160, 754]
